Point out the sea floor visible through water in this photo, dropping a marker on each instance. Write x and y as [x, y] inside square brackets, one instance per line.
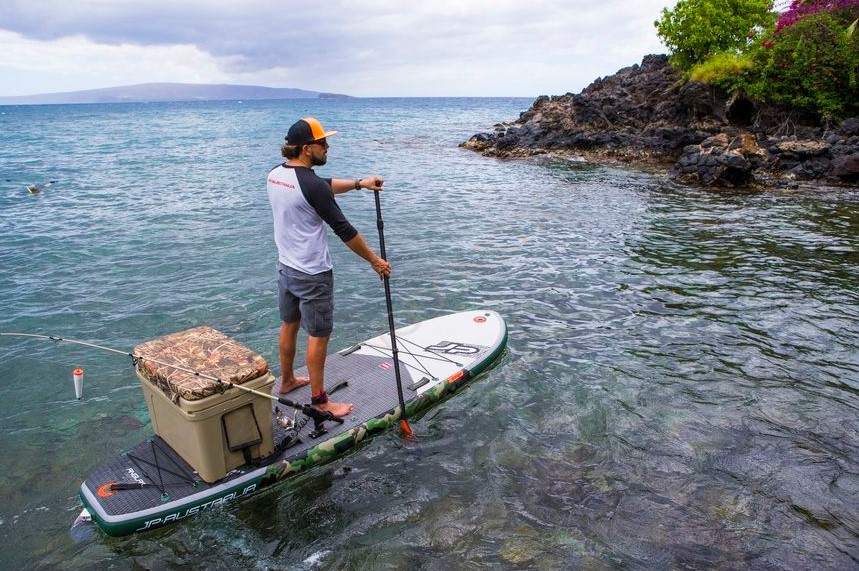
[679, 391]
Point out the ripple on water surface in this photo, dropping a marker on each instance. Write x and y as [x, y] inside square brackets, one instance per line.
[679, 391]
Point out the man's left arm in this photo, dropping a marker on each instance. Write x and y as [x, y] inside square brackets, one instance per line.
[341, 185]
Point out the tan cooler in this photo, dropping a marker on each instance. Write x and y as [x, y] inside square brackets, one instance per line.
[215, 428]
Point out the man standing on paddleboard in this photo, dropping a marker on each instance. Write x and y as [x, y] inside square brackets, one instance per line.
[303, 204]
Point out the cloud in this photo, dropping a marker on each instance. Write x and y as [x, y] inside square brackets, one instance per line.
[373, 47]
[75, 63]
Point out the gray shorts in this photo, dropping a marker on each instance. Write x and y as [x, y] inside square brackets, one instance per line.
[306, 298]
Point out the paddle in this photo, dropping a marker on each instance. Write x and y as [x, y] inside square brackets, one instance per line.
[404, 424]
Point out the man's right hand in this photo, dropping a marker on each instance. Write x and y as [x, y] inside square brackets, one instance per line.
[381, 267]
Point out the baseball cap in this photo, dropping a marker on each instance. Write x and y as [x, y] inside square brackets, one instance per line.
[305, 131]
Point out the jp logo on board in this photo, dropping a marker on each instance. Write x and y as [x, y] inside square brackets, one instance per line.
[454, 348]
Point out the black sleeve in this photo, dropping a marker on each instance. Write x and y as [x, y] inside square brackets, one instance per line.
[318, 193]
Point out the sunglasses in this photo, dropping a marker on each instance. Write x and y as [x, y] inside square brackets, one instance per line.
[322, 142]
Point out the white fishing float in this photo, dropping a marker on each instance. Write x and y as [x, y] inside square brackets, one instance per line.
[78, 375]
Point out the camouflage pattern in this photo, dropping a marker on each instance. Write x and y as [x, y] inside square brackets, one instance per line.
[203, 350]
[340, 443]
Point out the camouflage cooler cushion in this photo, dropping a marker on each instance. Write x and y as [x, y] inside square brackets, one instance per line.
[201, 349]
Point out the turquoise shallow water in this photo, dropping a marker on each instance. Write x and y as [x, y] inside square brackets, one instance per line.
[680, 389]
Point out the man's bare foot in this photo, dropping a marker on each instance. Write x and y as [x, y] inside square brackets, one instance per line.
[336, 408]
[292, 384]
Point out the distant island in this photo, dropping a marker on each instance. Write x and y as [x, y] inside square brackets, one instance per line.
[155, 92]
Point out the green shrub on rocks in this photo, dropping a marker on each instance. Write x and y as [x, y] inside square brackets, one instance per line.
[807, 57]
[727, 70]
[810, 64]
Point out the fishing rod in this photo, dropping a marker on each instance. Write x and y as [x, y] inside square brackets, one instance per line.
[404, 424]
[318, 416]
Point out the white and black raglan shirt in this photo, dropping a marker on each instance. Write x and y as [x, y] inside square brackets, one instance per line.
[300, 202]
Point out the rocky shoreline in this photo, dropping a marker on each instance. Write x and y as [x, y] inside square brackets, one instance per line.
[646, 116]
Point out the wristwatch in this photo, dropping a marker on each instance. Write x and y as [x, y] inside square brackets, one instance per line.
[357, 184]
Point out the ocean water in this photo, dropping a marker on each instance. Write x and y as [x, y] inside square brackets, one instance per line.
[680, 389]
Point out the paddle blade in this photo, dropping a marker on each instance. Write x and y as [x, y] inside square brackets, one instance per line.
[408, 439]
[406, 429]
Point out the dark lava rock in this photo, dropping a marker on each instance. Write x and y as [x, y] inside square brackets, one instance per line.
[648, 115]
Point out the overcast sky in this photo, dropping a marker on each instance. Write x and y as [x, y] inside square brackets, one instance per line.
[363, 48]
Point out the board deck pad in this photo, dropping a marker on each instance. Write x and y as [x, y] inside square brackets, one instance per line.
[159, 487]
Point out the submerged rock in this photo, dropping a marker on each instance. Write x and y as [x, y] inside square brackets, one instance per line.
[648, 115]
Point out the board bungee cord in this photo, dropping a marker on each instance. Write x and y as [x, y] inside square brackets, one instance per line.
[317, 415]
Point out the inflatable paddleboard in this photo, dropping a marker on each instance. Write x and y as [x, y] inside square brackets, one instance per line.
[225, 445]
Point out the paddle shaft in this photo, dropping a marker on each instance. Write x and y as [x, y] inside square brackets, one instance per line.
[380, 224]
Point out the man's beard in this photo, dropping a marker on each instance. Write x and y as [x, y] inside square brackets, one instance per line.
[318, 161]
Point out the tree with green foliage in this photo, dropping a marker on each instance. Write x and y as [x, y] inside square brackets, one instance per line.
[695, 30]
